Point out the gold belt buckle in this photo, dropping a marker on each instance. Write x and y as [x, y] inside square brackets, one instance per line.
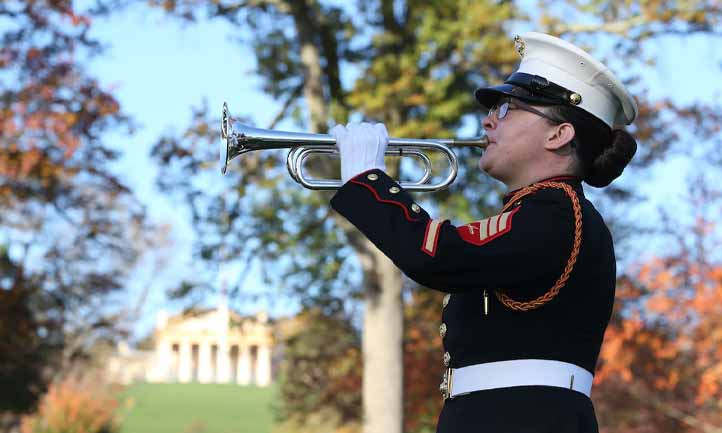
[447, 383]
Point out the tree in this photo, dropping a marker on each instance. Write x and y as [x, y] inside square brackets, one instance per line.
[71, 229]
[300, 48]
[322, 351]
[661, 354]
[412, 65]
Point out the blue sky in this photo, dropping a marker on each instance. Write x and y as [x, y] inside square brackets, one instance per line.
[160, 68]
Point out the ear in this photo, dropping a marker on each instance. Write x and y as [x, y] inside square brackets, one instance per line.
[559, 135]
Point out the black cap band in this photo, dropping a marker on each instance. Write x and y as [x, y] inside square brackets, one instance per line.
[542, 87]
[533, 89]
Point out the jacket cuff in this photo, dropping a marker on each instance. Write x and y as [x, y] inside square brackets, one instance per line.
[375, 186]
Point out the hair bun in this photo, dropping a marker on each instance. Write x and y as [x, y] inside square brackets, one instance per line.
[611, 162]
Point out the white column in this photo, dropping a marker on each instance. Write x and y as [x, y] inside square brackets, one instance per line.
[224, 362]
[244, 366]
[163, 360]
[166, 361]
[205, 372]
[185, 371]
[263, 366]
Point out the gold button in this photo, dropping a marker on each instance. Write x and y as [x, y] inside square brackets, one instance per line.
[372, 176]
[394, 189]
[415, 208]
[447, 359]
[446, 300]
[442, 330]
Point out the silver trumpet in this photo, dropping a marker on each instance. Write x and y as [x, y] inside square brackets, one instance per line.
[302, 145]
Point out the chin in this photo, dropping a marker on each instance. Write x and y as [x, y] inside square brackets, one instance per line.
[486, 167]
[489, 171]
[483, 164]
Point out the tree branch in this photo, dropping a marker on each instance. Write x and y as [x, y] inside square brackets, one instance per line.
[295, 93]
[616, 27]
[281, 5]
[623, 27]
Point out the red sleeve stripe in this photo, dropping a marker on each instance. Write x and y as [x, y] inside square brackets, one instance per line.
[505, 228]
[489, 228]
[431, 238]
[376, 194]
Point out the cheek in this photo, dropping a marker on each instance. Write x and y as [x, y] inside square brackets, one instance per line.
[516, 146]
[493, 158]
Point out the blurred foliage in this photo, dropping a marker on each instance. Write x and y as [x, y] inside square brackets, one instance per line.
[320, 378]
[75, 404]
[70, 230]
[422, 351]
[322, 351]
[661, 363]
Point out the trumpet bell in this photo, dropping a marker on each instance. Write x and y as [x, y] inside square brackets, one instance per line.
[248, 138]
[224, 144]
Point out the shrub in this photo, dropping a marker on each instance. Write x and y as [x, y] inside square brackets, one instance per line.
[74, 405]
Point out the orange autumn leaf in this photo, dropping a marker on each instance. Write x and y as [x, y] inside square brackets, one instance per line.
[28, 161]
[660, 304]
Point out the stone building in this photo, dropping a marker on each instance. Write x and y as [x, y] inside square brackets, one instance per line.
[206, 346]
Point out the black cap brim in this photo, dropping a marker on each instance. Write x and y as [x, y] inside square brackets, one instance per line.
[489, 96]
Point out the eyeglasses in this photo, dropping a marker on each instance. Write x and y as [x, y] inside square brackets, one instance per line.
[501, 110]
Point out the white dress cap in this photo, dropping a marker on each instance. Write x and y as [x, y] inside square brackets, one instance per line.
[568, 66]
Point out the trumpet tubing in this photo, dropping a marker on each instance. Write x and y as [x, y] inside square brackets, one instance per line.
[303, 145]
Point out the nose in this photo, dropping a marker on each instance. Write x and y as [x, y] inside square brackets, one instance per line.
[489, 121]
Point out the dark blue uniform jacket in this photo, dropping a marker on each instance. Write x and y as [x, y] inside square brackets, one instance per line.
[521, 252]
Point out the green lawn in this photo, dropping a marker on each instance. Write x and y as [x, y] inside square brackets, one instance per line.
[196, 408]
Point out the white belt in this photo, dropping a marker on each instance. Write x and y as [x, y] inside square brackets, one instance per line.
[518, 372]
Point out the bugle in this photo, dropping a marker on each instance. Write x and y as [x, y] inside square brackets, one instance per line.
[303, 145]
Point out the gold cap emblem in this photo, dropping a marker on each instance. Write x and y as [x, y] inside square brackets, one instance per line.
[575, 98]
[519, 45]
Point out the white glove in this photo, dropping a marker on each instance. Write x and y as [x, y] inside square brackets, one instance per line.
[362, 147]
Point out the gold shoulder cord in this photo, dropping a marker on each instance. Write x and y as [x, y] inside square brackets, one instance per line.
[548, 296]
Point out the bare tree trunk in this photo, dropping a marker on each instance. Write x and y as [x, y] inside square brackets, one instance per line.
[382, 344]
[383, 309]
[306, 24]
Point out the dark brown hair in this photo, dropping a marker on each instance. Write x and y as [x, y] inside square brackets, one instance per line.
[602, 152]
